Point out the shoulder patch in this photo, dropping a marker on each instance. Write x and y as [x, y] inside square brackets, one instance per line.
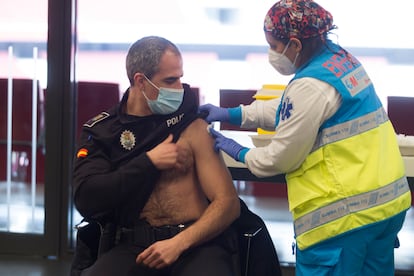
[100, 117]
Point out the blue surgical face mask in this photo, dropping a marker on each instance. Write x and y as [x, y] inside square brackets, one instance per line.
[168, 100]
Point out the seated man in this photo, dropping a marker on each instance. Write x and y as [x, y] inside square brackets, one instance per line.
[148, 165]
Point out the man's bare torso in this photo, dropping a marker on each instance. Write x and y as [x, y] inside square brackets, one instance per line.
[177, 197]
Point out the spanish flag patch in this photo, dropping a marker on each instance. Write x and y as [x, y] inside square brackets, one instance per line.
[82, 153]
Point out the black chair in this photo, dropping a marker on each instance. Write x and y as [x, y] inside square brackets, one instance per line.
[258, 255]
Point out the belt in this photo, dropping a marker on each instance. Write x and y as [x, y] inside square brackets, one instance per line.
[144, 234]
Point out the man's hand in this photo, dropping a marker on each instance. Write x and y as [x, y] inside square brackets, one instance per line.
[160, 254]
[225, 144]
[214, 113]
[168, 155]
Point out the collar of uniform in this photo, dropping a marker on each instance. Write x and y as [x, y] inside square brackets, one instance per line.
[127, 118]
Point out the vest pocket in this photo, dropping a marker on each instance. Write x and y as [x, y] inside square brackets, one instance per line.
[307, 182]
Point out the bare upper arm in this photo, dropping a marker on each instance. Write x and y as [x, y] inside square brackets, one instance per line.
[213, 175]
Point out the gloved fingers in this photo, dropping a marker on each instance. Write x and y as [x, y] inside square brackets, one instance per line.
[212, 113]
[212, 132]
[220, 142]
[210, 127]
[224, 141]
[216, 147]
[215, 134]
[204, 111]
[204, 115]
[204, 107]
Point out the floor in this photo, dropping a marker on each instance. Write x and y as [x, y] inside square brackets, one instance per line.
[29, 266]
[33, 266]
[273, 210]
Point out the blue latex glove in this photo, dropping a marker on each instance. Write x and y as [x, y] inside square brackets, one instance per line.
[214, 113]
[229, 146]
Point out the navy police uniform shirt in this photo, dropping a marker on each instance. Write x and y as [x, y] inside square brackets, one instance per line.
[111, 168]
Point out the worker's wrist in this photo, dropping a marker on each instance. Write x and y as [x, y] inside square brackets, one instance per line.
[242, 154]
[235, 115]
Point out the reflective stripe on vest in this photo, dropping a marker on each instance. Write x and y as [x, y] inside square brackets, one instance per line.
[350, 205]
[351, 128]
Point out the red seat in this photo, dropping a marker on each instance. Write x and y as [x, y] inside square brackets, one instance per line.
[196, 91]
[93, 98]
[233, 98]
[21, 124]
[401, 114]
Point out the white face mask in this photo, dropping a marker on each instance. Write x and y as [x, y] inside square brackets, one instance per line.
[282, 63]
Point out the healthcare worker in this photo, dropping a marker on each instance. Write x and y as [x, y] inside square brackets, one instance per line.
[347, 188]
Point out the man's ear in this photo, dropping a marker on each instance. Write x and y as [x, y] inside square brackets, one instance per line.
[139, 79]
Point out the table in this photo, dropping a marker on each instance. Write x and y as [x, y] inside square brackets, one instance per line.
[239, 171]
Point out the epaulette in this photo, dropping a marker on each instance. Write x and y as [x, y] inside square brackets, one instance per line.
[98, 118]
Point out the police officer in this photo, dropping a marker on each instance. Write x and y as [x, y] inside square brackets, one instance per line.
[146, 166]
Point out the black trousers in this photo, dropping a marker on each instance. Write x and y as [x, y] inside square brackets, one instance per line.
[218, 257]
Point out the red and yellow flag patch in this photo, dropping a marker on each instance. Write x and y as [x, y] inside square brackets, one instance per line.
[82, 153]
